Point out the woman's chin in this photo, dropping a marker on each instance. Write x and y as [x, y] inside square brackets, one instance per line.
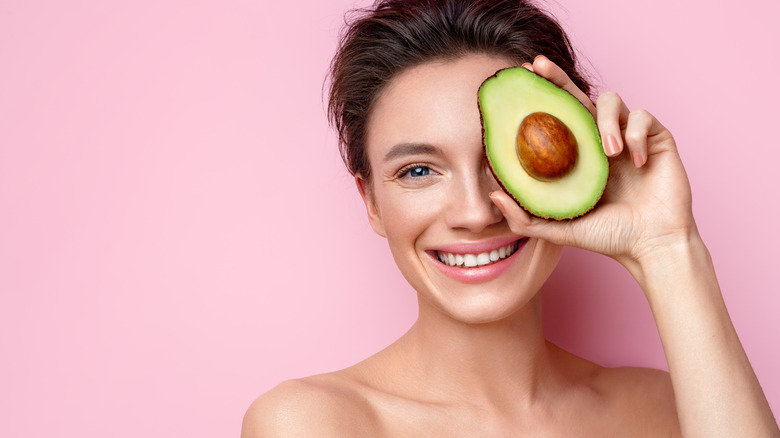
[483, 308]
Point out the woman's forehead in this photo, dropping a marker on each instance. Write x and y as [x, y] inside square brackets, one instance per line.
[441, 79]
[432, 100]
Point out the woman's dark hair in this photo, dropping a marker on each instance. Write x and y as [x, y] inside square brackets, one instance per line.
[395, 35]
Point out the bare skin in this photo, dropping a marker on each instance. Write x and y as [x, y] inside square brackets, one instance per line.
[581, 399]
[476, 362]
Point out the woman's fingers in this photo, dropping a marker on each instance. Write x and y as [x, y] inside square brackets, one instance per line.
[638, 128]
[522, 224]
[612, 116]
[550, 71]
[621, 128]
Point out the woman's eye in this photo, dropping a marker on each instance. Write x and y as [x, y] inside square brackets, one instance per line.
[414, 171]
[415, 174]
[418, 171]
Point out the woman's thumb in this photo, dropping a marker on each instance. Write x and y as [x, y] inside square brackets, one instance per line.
[523, 224]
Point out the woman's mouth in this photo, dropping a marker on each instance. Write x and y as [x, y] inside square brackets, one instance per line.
[477, 263]
[479, 259]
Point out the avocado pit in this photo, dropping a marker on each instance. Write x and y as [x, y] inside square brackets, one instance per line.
[546, 147]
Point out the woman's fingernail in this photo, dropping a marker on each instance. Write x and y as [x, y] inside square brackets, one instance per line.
[613, 148]
[639, 160]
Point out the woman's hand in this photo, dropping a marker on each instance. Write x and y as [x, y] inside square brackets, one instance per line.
[647, 201]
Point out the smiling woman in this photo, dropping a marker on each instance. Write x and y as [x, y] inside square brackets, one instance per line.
[447, 211]
[476, 363]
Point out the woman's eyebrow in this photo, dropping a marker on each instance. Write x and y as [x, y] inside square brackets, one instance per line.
[403, 149]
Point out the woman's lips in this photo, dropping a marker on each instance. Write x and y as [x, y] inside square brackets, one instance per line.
[476, 263]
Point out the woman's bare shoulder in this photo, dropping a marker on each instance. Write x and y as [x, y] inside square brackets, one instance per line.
[323, 405]
[630, 401]
[642, 396]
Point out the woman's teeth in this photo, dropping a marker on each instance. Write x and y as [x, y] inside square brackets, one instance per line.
[473, 260]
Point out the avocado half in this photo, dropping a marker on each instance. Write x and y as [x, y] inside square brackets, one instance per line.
[506, 100]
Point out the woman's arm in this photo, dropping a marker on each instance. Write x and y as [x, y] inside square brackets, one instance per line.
[645, 222]
[716, 391]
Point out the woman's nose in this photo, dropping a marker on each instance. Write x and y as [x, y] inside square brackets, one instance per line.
[470, 206]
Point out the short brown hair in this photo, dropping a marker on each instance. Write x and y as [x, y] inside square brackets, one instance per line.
[394, 35]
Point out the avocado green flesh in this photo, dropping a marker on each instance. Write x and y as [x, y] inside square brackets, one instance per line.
[504, 101]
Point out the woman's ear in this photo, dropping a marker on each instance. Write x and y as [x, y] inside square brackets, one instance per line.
[366, 192]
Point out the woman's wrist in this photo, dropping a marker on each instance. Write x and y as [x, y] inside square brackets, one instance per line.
[669, 260]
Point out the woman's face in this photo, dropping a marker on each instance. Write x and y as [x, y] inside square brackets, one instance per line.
[429, 195]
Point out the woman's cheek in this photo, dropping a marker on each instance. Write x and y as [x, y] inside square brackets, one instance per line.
[411, 214]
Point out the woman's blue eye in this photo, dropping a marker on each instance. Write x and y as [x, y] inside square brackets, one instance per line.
[419, 171]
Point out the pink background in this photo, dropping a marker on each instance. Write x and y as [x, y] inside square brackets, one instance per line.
[178, 235]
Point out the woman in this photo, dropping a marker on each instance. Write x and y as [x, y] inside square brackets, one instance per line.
[476, 363]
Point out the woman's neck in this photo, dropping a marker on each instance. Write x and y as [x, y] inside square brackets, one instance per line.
[487, 364]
